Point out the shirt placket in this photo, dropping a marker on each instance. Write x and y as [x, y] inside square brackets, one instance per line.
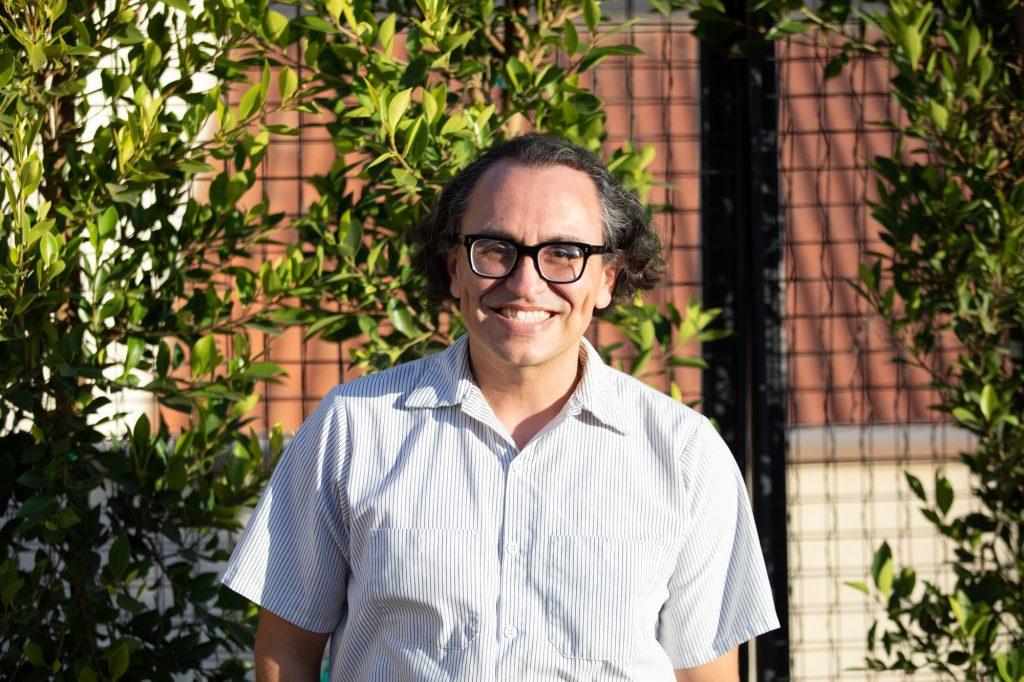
[517, 636]
[521, 636]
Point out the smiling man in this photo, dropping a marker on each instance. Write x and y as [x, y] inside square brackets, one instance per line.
[512, 508]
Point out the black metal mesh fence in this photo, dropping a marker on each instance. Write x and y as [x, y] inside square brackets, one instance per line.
[857, 420]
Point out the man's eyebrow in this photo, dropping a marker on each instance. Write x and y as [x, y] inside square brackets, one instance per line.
[501, 234]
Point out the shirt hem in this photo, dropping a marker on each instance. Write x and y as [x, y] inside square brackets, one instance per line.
[724, 645]
[288, 613]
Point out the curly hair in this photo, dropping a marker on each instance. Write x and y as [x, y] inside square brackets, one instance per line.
[636, 247]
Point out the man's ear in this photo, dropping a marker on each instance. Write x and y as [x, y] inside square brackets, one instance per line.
[451, 260]
[609, 275]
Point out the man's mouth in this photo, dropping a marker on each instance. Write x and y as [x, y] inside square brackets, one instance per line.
[524, 315]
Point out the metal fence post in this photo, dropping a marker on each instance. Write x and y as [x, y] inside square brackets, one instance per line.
[741, 232]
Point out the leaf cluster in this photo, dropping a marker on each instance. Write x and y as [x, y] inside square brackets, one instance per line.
[411, 93]
[115, 278]
[951, 210]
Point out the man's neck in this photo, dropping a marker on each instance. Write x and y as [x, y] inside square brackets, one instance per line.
[525, 399]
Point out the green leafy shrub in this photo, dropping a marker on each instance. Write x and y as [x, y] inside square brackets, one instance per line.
[110, 532]
[116, 276]
[413, 92]
[951, 207]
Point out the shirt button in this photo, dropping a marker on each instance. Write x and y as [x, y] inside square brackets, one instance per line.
[509, 632]
[517, 467]
[512, 548]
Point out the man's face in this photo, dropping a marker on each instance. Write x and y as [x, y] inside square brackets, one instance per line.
[527, 206]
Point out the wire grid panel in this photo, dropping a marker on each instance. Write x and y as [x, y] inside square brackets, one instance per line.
[654, 99]
[856, 420]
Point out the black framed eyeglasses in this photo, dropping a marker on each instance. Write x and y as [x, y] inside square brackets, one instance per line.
[557, 262]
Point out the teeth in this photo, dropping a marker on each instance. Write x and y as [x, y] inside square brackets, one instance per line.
[525, 315]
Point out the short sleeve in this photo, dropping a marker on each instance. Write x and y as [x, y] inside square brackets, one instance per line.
[292, 558]
[719, 594]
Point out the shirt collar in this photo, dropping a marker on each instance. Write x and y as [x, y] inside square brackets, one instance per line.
[446, 380]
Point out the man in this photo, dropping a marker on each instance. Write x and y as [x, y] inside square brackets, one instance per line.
[511, 508]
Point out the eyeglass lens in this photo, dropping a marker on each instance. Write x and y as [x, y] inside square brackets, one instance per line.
[557, 262]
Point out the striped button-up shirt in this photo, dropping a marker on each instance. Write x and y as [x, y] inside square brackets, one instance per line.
[618, 544]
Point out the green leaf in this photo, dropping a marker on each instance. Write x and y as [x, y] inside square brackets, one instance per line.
[571, 38]
[963, 415]
[205, 356]
[985, 69]
[274, 24]
[884, 582]
[353, 238]
[163, 359]
[429, 107]
[136, 348]
[263, 370]
[118, 557]
[396, 108]
[316, 23]
[939, 114]
[380, 159]
[30, 175]
[883, 555]
[662, 6]
[11, 589]
[249, 103]
[960, 610]
[65, 518]
[599, 54]
[857, 585]
[1002, 665]
[943, 493]
[910, 41]
[48, 247]
[6, 68]
[123, 194]
[386, 32]
[785, 27]
[36, 57]
[107, 222]
[592, 14]
[988, 401]
[915, 485]
[287, 83]
[417, 141]
[972, 42]
[181, 5]
[835, 66]
[117, 661]
[401, 319]
[141, 432]
[34, 655]
[36, 507]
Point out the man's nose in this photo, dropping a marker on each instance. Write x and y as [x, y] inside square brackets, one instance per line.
[525, 280]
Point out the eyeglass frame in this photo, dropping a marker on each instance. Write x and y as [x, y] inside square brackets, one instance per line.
[588, 250]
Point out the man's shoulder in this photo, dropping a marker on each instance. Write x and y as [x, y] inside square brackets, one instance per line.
[655, 410]
[383, 384]
[635, 393]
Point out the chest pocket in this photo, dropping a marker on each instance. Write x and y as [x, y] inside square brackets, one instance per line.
[598, 588]
[426, 584]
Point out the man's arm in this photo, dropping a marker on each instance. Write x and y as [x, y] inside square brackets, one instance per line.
[724, 669]
[287, 652]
